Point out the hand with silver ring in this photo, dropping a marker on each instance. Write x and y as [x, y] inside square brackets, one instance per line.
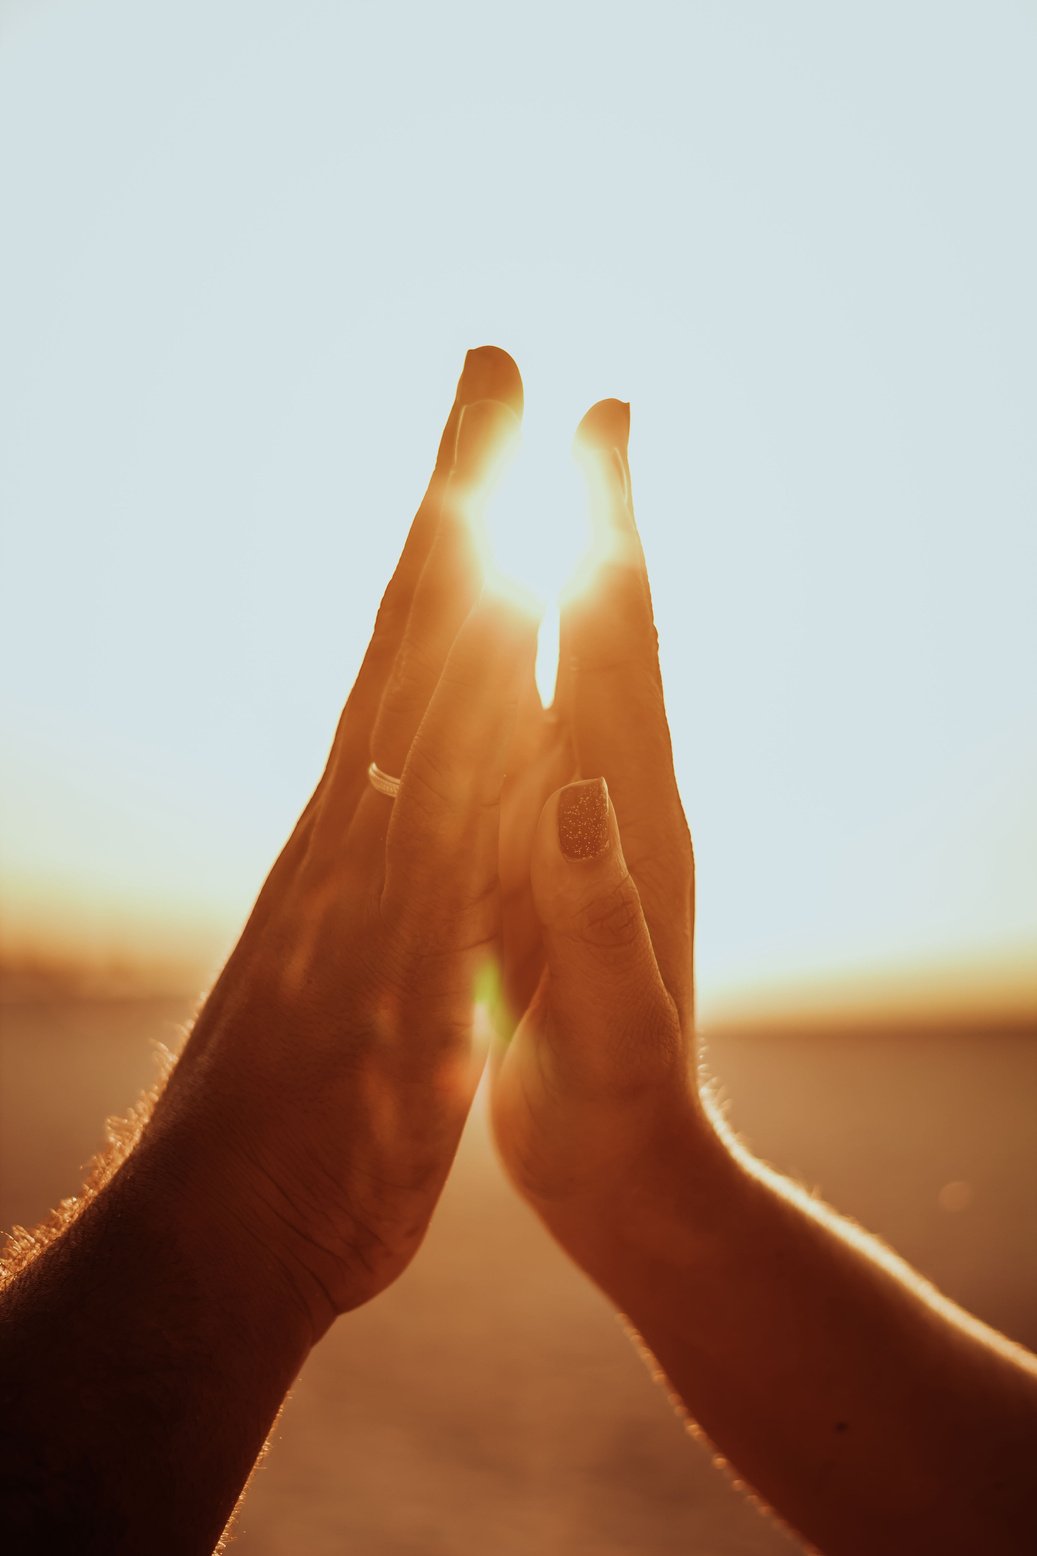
[328, 1077]
[289, 1168]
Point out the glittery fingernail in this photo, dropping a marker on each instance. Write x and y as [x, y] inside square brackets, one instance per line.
[583, 819]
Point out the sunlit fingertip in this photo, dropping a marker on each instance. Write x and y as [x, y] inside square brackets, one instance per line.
[490, 373]
[606, 424]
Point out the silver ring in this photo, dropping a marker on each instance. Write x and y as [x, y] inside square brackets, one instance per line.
[382, 782]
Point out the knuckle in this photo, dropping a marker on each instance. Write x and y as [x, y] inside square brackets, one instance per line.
[429, 782]
[613, 921]
[415, 670]
[467, 673]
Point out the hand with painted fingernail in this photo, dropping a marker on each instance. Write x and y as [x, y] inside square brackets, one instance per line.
[598, 1073]
[867, 1410]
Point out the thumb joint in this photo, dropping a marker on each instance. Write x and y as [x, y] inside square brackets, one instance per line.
[611, 921]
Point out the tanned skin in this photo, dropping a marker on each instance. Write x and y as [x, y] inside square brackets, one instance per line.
[288, 1170]
[867, 1411]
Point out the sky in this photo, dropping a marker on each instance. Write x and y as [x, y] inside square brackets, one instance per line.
[243, 249]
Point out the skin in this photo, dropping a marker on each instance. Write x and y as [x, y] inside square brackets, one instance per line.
[863, 1408]
[288, 1171]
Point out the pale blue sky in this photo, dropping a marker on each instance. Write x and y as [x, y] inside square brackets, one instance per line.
[244, 247]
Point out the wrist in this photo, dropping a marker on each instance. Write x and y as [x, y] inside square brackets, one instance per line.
[666, 1209]
[189, 1178]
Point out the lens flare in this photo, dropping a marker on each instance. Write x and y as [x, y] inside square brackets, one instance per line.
[536, 534]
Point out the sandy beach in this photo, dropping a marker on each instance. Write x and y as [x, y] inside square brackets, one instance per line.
[491, 1400]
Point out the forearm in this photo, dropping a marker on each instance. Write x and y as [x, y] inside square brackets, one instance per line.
[869, 1412]
[144, 1355]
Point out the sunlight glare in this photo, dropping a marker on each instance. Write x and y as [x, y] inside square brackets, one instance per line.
[536, 533]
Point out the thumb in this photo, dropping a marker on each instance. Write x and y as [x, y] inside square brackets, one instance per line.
[606, 992]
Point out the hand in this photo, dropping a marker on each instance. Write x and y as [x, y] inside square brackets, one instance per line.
[863, 1407]
[323, 1091]
[598, 1077]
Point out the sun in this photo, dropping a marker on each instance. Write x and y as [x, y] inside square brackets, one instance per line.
[536, 534]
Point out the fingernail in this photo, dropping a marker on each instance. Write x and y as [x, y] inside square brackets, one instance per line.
[490, 374]
[583, 819]
[483, 429]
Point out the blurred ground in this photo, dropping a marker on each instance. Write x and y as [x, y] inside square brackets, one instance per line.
[490, 1399]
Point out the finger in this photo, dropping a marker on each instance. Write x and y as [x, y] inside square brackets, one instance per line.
[613, 1021]
[449, 584]
[486, 370]
[488, 373]
[441, 878]
[540, 760]
[613, 702]
[600, 447]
